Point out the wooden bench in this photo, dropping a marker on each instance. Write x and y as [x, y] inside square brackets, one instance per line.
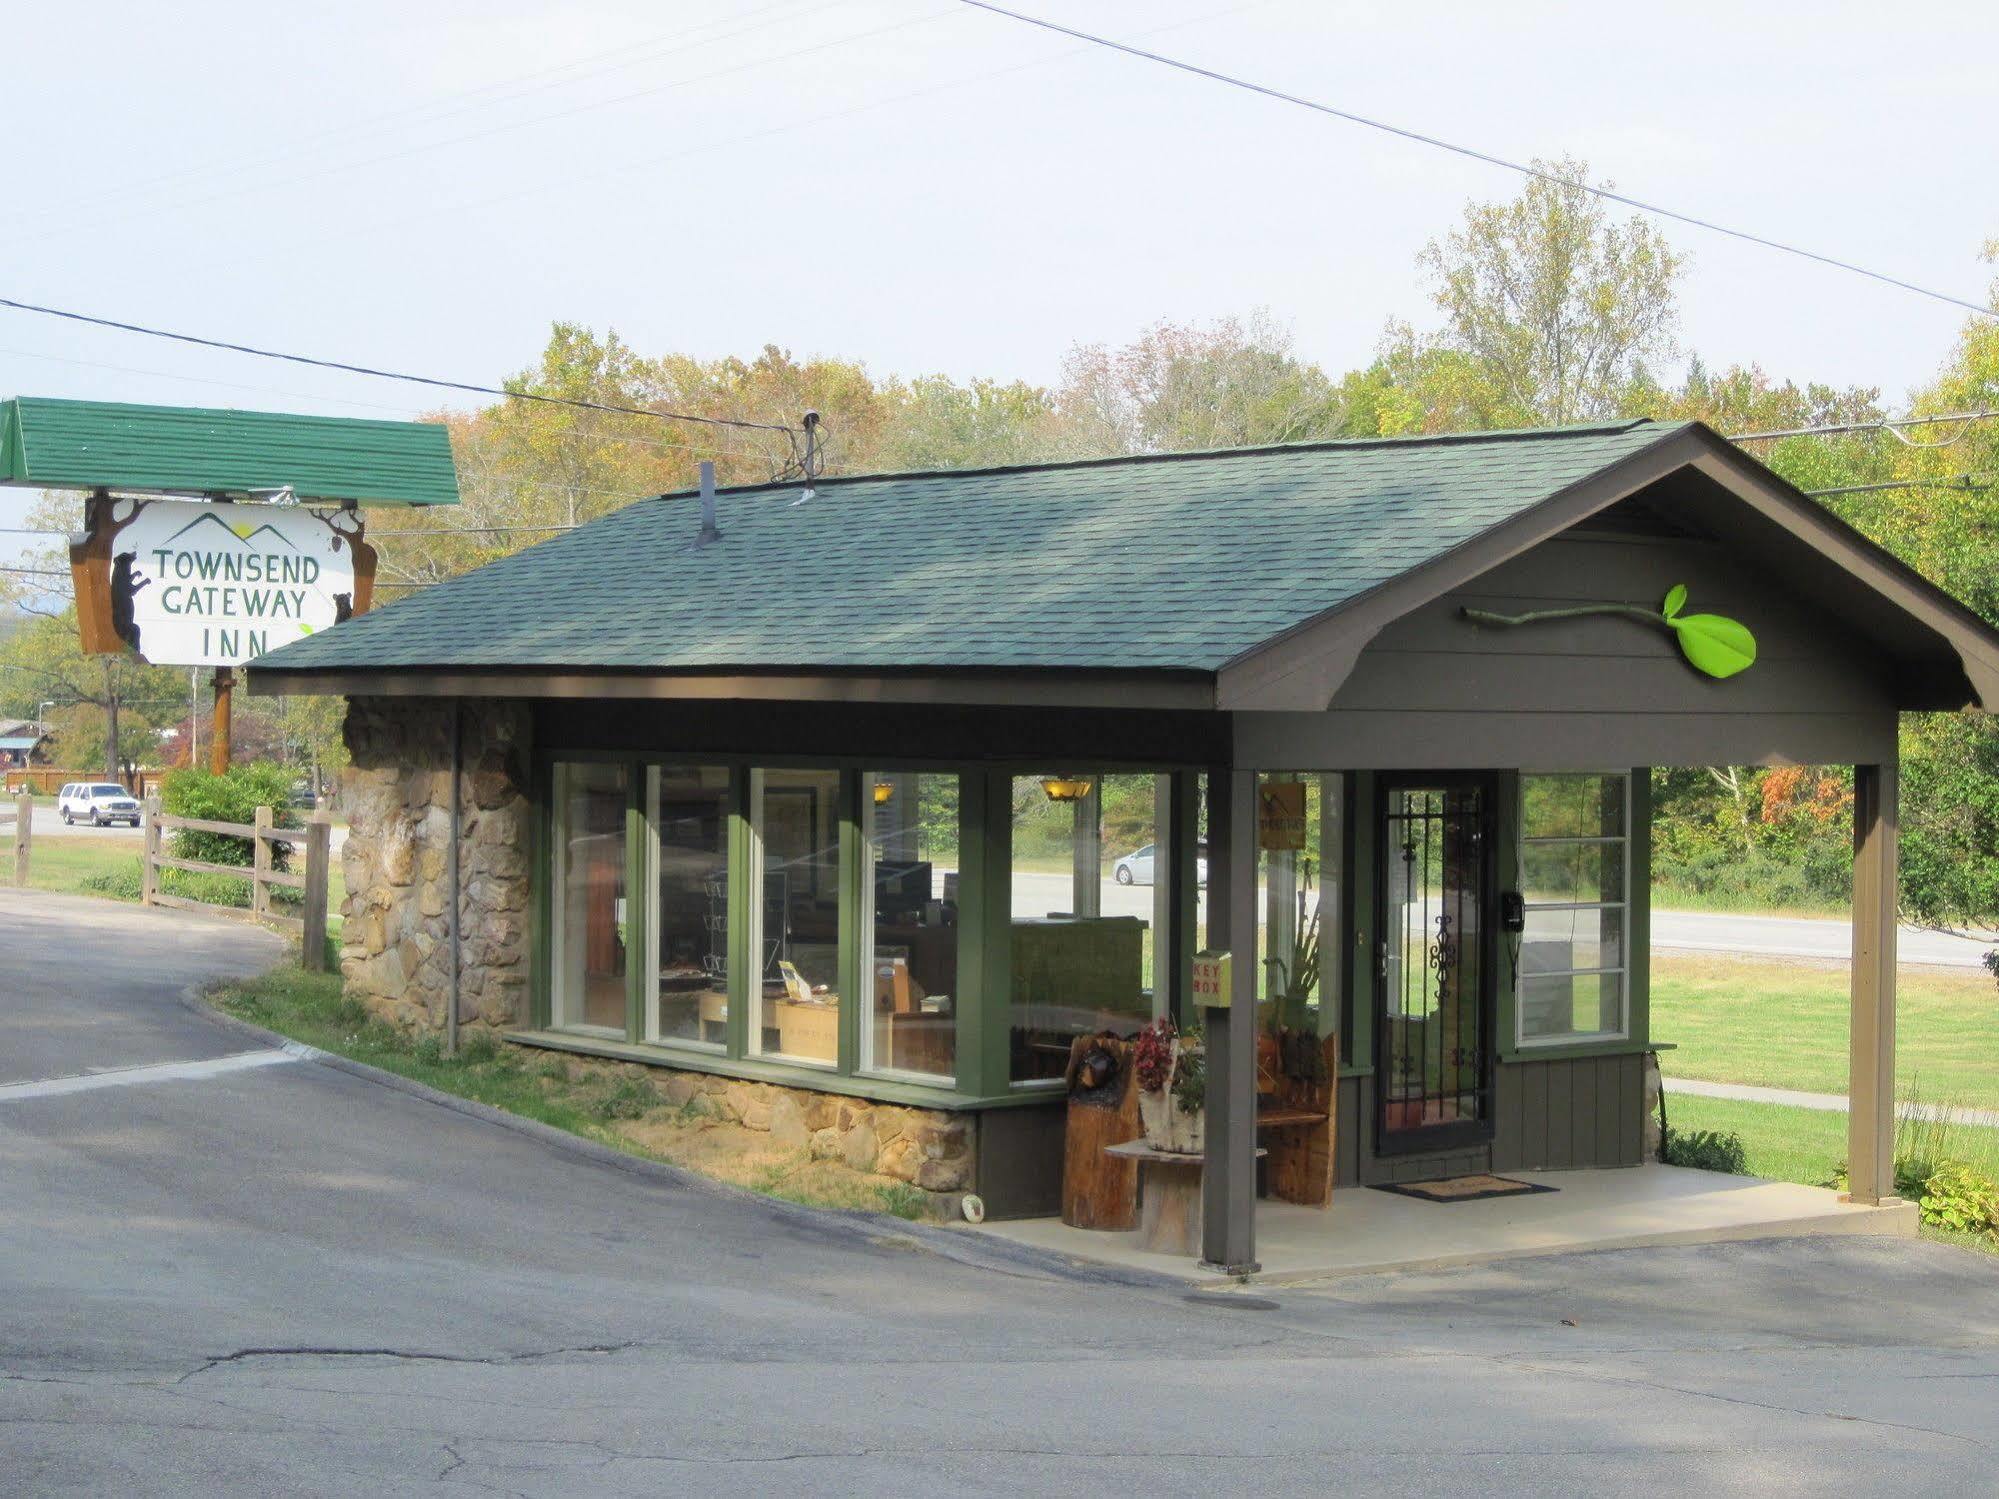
[1297, 1118]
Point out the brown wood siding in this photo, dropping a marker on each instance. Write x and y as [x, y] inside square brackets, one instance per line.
[1433, 689]
[1357, 1164]
[1562, 1113]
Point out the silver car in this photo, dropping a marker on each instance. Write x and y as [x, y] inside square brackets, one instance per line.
[1136, 867]
[98, 803]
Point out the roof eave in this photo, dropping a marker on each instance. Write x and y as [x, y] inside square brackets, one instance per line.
[1180, 690]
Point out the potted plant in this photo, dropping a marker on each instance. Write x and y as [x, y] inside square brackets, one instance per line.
[1291, 1048]
[1170, 1069]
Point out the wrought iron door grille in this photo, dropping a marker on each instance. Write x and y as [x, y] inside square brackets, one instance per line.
[1433, 983]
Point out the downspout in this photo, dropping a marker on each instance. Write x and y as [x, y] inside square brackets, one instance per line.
[451, 858]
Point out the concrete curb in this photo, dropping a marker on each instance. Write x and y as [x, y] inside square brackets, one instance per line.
[878, 1230]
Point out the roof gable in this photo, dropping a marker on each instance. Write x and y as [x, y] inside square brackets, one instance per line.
[1171, 563]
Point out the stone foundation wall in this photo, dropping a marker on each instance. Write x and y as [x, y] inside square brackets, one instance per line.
[927, 1148]
[395, 946]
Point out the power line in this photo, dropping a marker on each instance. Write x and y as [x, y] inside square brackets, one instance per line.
[1487, 157]
[461, 206]
[1882, 424]
[1963, 483]
[362, 369]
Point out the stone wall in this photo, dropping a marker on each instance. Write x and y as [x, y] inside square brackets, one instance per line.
[395, 945]
[927, 1148]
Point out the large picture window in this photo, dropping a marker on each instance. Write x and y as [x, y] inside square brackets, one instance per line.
[1574, 867]
[909, 964]
[1302, 853]
[1089, 854]
[687, 811]
[591, 919]
[795, 815]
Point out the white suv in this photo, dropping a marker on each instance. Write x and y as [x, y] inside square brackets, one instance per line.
[97, 803]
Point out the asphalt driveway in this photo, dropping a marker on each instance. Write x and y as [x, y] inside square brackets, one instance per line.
[268, 1275]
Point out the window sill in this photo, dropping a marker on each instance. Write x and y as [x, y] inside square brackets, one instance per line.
[759, 1070]
[1563, 1051]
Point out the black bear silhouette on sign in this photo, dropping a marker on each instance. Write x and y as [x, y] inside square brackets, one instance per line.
[123, 589]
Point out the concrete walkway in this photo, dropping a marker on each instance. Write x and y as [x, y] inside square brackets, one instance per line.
[1366, 1232]
[1828, 1103]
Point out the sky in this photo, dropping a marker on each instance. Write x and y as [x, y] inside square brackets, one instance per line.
[426, 185]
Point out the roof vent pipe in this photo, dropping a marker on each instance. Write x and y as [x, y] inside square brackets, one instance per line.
[710, 532]
[811, 461]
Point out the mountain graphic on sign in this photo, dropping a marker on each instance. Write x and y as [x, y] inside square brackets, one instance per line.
[244, 535]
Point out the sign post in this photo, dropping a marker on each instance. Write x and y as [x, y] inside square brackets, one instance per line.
[219, 740]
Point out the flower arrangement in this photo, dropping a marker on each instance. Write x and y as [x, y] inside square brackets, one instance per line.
[1170, 1068]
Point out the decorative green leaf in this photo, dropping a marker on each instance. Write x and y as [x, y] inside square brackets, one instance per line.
[1676, 600]
[1715, 645]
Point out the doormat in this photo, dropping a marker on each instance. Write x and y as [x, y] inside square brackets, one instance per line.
[1465, 1188]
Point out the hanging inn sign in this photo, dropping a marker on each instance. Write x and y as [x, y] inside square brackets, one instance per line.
[203, 583]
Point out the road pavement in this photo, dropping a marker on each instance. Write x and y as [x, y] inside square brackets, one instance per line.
[1037, 894]
[258, 1274]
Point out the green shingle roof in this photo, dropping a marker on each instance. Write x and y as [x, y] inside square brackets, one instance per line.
[183, 449]
[1178, 562]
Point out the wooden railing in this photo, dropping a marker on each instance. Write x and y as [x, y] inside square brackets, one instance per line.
[315, 837]
[44, 780]
[22, 816]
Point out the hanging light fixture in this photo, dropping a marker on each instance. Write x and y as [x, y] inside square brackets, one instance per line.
[884, 793]
[1066, 788]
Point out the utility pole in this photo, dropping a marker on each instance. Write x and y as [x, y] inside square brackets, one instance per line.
[111, 765]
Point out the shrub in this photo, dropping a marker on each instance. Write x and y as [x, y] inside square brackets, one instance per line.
[1957, 1197]
[231, 797]
[1992, 963]
[1707, 1150]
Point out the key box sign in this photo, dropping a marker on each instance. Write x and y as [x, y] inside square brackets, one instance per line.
[219, 584]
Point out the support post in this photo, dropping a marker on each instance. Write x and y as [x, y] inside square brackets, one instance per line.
[1870, 1119]
[218, 750]
[452, 996]
[149, 868]
[1166, 885]
[318, 852]
[24, 835]
[1086, 893]
[1228, 1187]
[260, 866]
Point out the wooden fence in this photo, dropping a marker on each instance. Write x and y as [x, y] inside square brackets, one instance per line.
[22, 816]
[316, 839]
[46, 781]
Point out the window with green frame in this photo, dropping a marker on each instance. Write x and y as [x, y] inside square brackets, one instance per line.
[1575, 863]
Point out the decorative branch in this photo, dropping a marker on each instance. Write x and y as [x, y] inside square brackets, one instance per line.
[1713, 644]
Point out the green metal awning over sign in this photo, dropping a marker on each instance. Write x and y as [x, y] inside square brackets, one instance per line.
[49, 444]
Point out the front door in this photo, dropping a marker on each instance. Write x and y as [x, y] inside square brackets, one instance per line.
[1433, 1051]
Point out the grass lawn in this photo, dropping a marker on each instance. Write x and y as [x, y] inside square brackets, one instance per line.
[1783, 1024]
[616, 1104]
[1808, 1146]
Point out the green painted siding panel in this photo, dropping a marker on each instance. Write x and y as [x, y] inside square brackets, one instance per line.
[99, 444]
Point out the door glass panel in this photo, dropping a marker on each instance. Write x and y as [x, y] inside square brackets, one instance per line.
[1432, 957]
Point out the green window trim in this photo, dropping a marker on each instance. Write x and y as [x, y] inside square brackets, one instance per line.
[754, 1069]
[1635, 1036]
